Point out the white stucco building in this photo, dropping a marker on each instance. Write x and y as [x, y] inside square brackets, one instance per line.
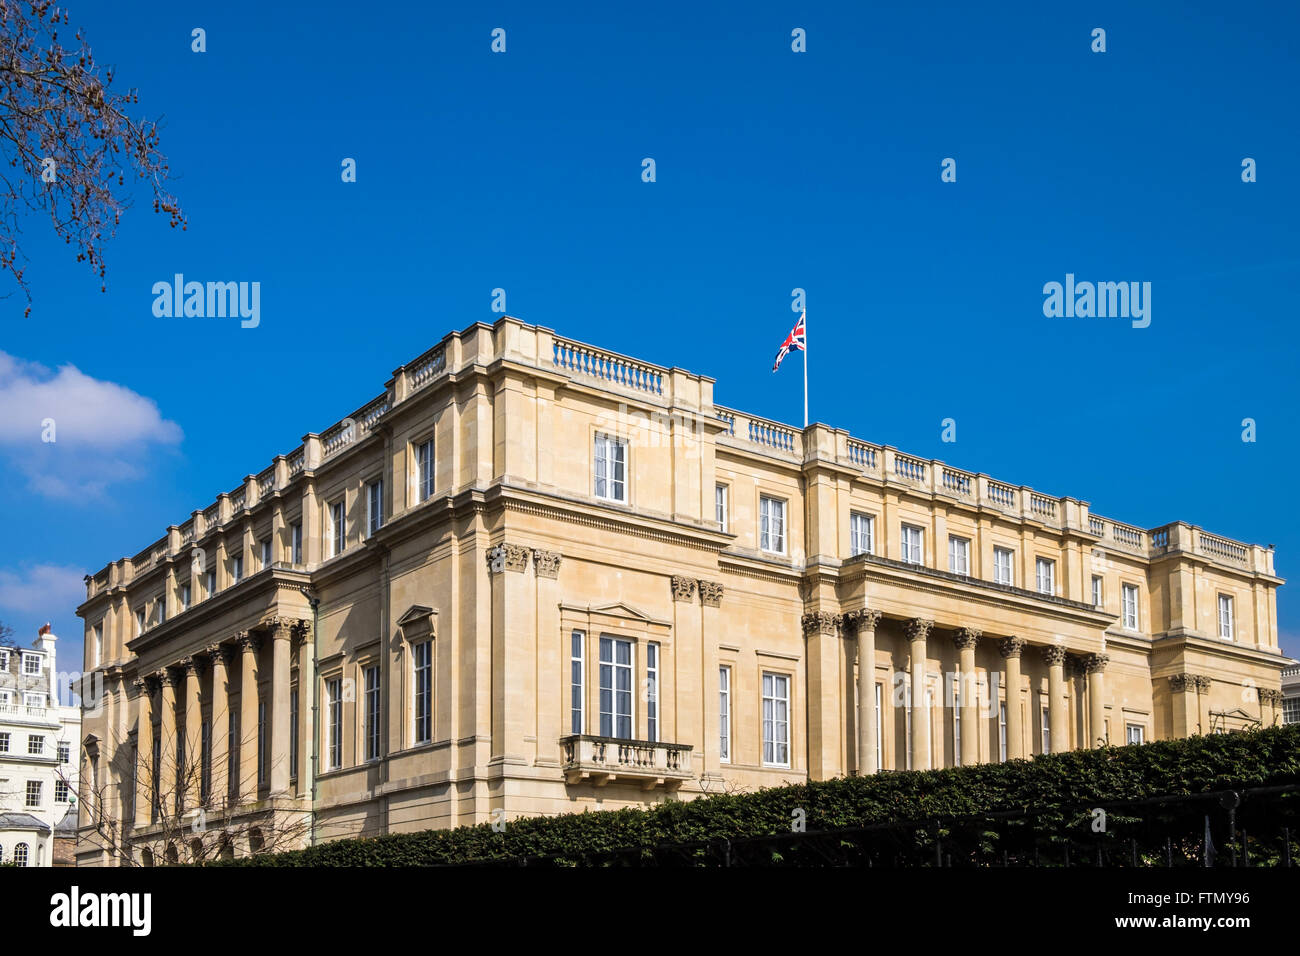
[38, 752]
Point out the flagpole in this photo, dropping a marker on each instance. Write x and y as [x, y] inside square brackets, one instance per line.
[805, 368]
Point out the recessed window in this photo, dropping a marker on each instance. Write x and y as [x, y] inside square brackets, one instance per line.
[652, 691]
[185, 597]
[60, 791]
[956, 724]
[1002, 566]
[261, 744]
[721, 493]
[1046, 732]
[1226, 623]
[913, 544]
[334, 701]
[372, 713]
[65, 753]
[1097, 591]
[1130, 593]
[160, 608]
[236, 569]
[20, 854]
[424, 470]
[4, 661]
[880, 734]
[31, 665]
[616, 688]
[96, 649]
[1045, 573]
[374, 506]
[4, 737]
[139, 621]
[771, 530]
[776, 720]
[210, 583]
[35, 745]
[338, 528]
[611, 468]
[862, 534]
[958, 555]
[295, 538]
[266, 553]
[724, 714]
[576, 683]
[293, 733]
[1136, 733]
[33, 793]
[422, 658]
[1002, 730]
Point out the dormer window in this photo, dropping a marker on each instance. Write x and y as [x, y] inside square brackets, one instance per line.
[31, 665]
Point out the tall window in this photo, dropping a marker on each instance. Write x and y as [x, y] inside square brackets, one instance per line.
[261, 743]
[862, 533]
[956, 723]
[615, 688]
[139, 621]
[33, 793]
[880, 735]
[20, 854]
[185, 597]
[424, 470]
[295, 539]
[576, 682]
[205, 762]
[724, 714]
[4, 742]
[611, 468]
[1096, 591]
[913, 542]
[65, 753]
[1046, 731]
[422, 656]
[236, 569]
[374, 506]
[720, 505]
[338, 528]
[1046, 574]
[372, 713]
[293, 733]
[1002, 730]
[907, 730]
[771, 530]
[96, 648]
[1225, 617]
[652, 690]
[266, 554]
[32, 665]
[958, 555]
[60, 791]
[1136, 733]
[210, 583]
[1130, 593]
[160, 605]
[776, 720]
[35, 744]
[1002, 558]
[334, 697]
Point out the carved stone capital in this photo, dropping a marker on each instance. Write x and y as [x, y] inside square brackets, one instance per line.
[546, 564]
[683, 588]
[861, 620]
[1202, 681]
[965, 637]
[280, 628]
[141, 685]
[507, 557]
[1181, 682]
[1011, 646]
[1095, 663]
[189, 665]
[248, 641]
[711, 593]
[302, 630]
[1054, 654]
[1269, 696]
[164, 678]
[218, 653]
[918, 628]
[820, 622]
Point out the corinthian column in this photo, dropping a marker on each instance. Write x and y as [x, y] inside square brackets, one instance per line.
[918, 630]
[191, 770]
[143, 754]
[966, 638]
[278, 691]
[167, 750]
[1095, 665]
[865, 622]
[1010, 649]
[219, 752]
[1054, 654]
[247, 743]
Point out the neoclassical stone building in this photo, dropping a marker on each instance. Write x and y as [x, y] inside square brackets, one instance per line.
[535, 576]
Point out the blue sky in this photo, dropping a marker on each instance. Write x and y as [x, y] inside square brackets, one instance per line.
[775, 170]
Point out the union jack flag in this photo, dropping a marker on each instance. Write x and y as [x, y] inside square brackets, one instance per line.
[796, 341]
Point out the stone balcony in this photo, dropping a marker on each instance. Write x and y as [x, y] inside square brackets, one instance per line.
[648, 763]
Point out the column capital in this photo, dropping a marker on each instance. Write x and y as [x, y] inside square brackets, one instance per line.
[141, 685]
[302, 631]
[820, 622]
[1270, 696]
[1203, 681]
[217, 653]
[248, 641]
[919, 628]
[965, 637]
[507, 557]
[683, 588]
[1181, 682]
[189, 665]
[279, 627]
[1054, 654]
[164, 678]
[1011, 646]
[546, 564]
[1095, 663]
[864, 619]
[711, 593]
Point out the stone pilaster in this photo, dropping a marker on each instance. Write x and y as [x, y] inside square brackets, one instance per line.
[143, 753]
[167, 735]
[918, 633]
[191, 769]
[863, 623]
[278, 691]
[1094, 666]
[823, 675]
[965, 639]
[219, 754]
[1010, 648]
[248, 700]
[1054, 655]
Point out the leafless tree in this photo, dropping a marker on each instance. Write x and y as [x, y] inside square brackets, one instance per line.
[68, 140]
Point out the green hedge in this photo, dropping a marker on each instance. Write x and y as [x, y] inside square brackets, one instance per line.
[1057, 788]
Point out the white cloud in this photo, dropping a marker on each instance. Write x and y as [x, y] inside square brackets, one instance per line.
[99, 429]
[44, 589]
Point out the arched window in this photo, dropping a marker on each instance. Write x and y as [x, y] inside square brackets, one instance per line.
[227, 851]
[20, 855]
[172, 855]
[146, 857]
[196, 850]
[255, 842]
